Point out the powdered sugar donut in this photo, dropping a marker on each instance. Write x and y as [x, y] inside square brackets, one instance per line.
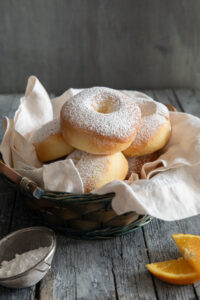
[97, 170]
[100, 121]
[49, 143]
[154, 130]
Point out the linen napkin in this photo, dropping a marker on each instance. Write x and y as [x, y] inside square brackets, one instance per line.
[169, 188]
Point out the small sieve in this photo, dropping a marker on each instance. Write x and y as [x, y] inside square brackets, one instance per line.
[22, 241]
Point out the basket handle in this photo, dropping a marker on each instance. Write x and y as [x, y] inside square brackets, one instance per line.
[25, 184]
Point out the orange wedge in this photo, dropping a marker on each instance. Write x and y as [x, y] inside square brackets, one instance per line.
[189, 246]
[175, 271]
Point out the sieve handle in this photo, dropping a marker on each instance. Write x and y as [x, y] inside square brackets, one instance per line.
[44, 270]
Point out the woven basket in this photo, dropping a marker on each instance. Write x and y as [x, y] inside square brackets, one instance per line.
[86, 216]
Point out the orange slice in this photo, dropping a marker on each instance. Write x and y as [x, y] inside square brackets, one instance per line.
[175, 271]
[189, 246]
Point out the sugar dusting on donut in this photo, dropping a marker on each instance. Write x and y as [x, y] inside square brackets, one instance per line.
[154, 115]
[146, 103]
[52, 127]
[120, 121]
[90, 166]
[150, 107]
[97, 170]
[148, 127]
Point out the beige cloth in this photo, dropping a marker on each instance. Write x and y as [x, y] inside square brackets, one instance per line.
[170, 187]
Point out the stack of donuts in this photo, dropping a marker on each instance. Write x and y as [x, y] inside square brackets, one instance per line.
[106, 133]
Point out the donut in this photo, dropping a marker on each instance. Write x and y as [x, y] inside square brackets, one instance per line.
[136, 163]
[97, 170]
[154, 130]
[49, 143]
[100, 121]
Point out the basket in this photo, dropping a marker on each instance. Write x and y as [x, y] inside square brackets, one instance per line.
[85, 216]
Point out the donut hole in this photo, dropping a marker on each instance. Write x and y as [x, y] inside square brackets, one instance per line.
[106, 106]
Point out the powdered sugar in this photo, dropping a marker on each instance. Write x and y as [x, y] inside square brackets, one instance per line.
[148, 127]
[22, 262]
[104, 111]
[147, 104]
[150, 107]
[91, 167]
[136, 94]
[52, 127]
[154, 115]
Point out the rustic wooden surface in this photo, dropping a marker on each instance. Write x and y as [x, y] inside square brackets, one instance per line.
[82, 43]
[111, 269]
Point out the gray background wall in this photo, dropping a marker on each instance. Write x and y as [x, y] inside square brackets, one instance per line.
[116, 43]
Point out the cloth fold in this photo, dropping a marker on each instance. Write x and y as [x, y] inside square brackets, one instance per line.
[169, 188]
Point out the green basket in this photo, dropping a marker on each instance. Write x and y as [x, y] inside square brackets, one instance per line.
[85, 216]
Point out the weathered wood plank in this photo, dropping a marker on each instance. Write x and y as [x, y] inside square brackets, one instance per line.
[121, 44]
[79, 272]
[129, 256]
[17, 294]
[148, 92]
[166, 97]
[8, 105]
[157, 233]
[189, 100]
[7, 195]
[111, 269]
[7, 200]
[161, 247]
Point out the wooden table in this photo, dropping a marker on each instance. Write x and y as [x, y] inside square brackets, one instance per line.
[110, 269]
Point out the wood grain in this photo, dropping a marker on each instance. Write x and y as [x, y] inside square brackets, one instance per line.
[81, 43]
[112, 269]
[189, 100]
[8, 105]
